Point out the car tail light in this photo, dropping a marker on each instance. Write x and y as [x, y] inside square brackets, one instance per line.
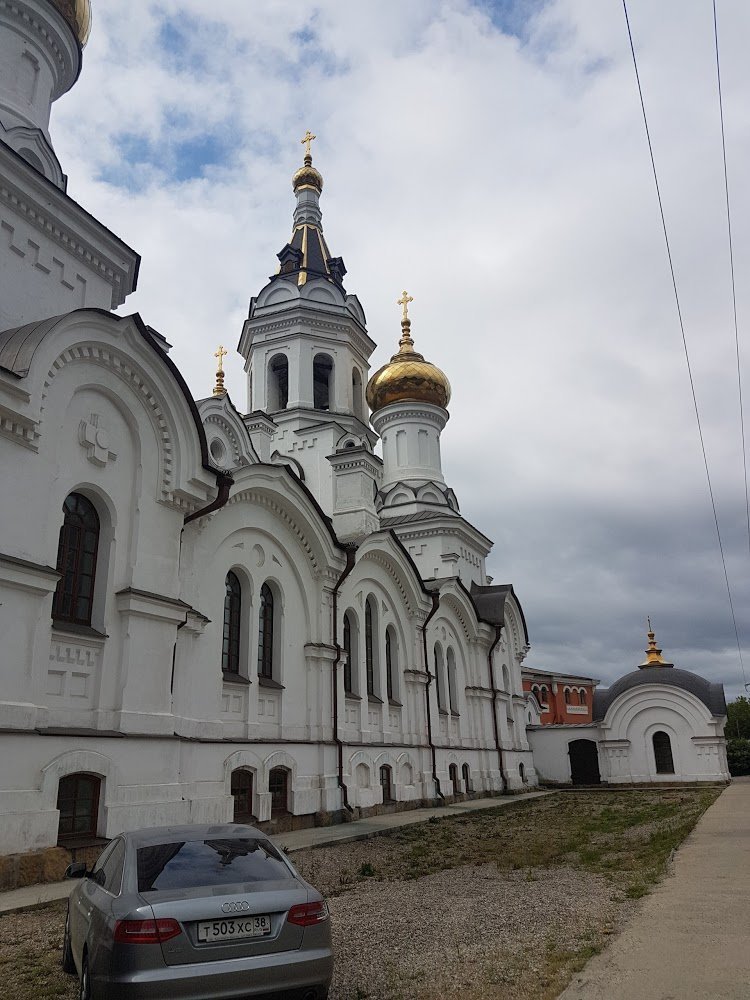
[146, 931]
[307, 914]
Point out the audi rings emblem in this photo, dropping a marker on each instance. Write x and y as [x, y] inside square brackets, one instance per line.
[235, 907]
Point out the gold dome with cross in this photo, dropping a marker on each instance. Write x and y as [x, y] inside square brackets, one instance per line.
[407, 377]
[307, 175]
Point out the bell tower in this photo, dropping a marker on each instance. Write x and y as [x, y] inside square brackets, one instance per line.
[306, 347]
[41, 45]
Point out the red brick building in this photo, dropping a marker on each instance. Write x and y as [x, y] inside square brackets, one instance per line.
[561, 697]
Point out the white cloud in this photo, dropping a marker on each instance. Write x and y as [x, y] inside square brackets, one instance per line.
[504, 180]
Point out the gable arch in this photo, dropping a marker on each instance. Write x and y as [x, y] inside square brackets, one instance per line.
[78, 762]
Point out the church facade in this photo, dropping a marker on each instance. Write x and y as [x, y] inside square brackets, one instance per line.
[210, 612]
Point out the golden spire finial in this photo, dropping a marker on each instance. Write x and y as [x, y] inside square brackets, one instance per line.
[405, 343]
[219, 389]
[653, 653]
[306, 139]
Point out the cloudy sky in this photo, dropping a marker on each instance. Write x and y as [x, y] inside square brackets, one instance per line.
[490, 157]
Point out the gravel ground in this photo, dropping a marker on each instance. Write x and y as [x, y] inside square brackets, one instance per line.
[471, 931]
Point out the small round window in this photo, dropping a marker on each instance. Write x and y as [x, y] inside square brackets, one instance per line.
[218, 451]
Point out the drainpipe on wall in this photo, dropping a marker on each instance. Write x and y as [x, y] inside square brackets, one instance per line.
[224, 483]
[435, 605]
[351, 553]
[498, 632]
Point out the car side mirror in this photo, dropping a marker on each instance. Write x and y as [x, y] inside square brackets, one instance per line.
[76, 870]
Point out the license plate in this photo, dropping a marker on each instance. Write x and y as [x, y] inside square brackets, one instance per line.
[233, 928]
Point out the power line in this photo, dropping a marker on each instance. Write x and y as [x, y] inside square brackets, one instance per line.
[684, 339]
[731, 270]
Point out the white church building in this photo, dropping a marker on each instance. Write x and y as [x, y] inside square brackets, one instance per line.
[208, 611]
[209, 614]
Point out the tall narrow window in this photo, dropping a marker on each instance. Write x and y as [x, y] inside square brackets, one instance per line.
[452, 682]
[440, 678]
[348, 651]
[466, 774]
[230, 650]
[278, 383]
[369, 647]
[322, 378]
[663, 754]
[357, 393]
[76, 560]
[265, 633]
[78, 802]
[389, 664]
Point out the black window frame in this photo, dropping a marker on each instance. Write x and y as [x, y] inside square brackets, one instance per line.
[348, 689]
[369, 647]
[242, 795]
[78, 541]
[265, 633]
[230, 643]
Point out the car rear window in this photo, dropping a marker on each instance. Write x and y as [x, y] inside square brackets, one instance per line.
[187, 865]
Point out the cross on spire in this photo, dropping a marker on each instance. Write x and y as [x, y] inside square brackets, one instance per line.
[306, 139]
[404, 301]
[219, 388]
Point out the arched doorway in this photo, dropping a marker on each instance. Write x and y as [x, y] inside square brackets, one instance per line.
[278, 786]
[453, 778]
[242, 794]
[386, 783]
[584, 762]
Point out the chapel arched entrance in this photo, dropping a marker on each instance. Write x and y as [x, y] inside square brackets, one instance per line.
[584, 762]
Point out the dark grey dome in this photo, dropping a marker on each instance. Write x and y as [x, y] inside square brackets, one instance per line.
[712, 695]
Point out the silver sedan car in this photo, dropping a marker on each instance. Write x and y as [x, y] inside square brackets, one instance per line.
[196, 913]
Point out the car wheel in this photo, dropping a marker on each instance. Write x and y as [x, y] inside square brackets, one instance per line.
[68, 964]
[85, 993]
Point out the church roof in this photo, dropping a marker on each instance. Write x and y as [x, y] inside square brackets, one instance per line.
[711, 694]
[490, 604]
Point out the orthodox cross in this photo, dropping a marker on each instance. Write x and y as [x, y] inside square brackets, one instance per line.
[404, 301]
[306, 140]
[219, 389]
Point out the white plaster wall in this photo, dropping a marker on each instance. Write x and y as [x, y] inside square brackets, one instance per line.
[549, 745]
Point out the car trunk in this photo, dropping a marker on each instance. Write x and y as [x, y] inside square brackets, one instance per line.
[225, 909]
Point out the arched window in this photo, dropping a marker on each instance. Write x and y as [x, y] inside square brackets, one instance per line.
[440, 678]
[278, 786]
[370, 624]
[663, 753]
[391, 664]
[242, 793]
[453, 777]
[566, 695]
[351, 645]
[543, 694]
[452, 682]
[386, 783]
[78, 802]
[76, 560]
[322, 382]
[357, 392]
[363, 776]
[506, 679]
[466, 774]
[265, 633]
[278, 382]
[230, 650]
[522, 773]
[582, 695]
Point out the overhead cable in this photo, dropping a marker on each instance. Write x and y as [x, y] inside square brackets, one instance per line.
[684, 342]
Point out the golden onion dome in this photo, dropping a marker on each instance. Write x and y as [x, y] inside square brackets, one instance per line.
[408, 377]
[78, 15]
[308, 176]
